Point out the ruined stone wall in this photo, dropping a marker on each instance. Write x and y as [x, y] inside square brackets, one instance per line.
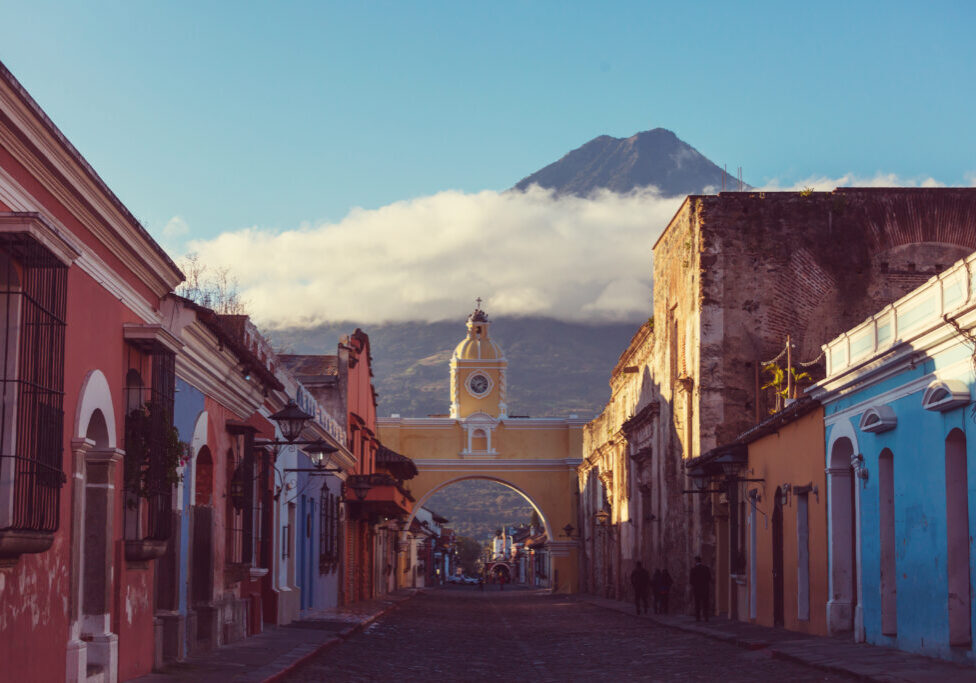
[810, 265]
[675, 373]
[607, 471]
[735, 273]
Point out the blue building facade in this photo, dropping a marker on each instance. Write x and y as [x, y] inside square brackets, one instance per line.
[189, 418]
[900, 452]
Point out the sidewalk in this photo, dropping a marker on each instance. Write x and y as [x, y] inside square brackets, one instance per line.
[867, 662]
[270, 655]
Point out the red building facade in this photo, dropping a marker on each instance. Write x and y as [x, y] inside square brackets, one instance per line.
[83, 283]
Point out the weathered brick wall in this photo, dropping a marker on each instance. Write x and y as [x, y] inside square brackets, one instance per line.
[812, 266]
[682, 338]
[735, 273]
[605, 458]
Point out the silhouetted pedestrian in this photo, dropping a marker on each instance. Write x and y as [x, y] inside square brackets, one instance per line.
[700, 579]
[665, 592]
[656, 590]
[640, 580]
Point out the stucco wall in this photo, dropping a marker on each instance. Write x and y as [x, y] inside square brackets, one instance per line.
[793, 455]
[917, 445]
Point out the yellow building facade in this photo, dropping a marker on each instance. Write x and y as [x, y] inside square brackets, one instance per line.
[479, 440]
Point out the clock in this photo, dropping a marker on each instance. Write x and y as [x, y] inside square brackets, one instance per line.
[478, 384]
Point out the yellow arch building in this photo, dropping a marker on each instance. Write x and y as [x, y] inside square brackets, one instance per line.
[535, 457]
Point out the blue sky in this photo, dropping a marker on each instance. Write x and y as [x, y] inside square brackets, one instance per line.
[281, 115]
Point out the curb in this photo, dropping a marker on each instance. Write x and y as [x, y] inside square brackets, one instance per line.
[344, 635]
[749, 644]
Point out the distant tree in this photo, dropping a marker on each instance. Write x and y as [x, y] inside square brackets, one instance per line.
[214, 288]
[469, 554]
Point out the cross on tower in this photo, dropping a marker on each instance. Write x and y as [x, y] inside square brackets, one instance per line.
[478, 302]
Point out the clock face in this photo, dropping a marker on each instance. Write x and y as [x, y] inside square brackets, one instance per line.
[478, 384]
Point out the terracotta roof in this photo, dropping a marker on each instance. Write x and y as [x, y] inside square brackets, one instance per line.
[228, 336]
[311, 366]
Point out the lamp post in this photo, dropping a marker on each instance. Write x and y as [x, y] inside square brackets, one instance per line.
[361, 488]
[291, 421]
[602, 518]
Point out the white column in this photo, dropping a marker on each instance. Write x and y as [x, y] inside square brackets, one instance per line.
[752, 558]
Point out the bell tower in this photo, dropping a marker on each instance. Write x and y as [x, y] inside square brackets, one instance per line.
[478, 372]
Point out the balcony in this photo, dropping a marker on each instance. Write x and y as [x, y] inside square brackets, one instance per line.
[386, 496]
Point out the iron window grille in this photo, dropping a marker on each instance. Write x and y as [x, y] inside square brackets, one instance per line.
[149, 420]
[244, 511]
[32, 307]
[286, 541]
[328, 531]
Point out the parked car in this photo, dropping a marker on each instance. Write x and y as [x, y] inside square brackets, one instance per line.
[470, 580]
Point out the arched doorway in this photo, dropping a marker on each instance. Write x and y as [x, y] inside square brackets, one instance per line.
[888, 543]
[958, 541]
[842, 522]
[93, 646]
[203, 486]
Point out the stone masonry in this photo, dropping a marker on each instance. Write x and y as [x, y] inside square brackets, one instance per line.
[734, 274]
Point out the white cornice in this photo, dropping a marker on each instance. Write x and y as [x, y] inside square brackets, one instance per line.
[496, 465]
[35, 225]
[542, 423]
[425, 422]
[891, 361]
[18, 199]
[508, 423]
[214, 370]
[919, 384]
[134, 247]
[478, 362]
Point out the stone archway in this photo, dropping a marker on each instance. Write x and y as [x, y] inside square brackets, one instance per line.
[421, 501]
[547, 487]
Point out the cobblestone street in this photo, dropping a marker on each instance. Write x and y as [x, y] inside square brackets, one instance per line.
[461, 633]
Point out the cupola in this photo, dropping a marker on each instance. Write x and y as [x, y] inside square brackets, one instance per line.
[478, 371]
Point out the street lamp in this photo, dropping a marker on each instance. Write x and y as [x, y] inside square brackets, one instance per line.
[291, 421]
[731, 463]
[698, 477]
[360, 487]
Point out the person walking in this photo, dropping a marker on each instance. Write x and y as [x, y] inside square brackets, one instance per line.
[656, 590]
[666, 582]
[641, 581]
[700, 579]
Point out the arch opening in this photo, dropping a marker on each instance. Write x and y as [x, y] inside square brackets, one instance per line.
[483, 477]
[496, 523]
[841, 484]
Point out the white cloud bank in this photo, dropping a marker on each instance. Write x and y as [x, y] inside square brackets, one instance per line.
[826, 184]
[428, 258]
